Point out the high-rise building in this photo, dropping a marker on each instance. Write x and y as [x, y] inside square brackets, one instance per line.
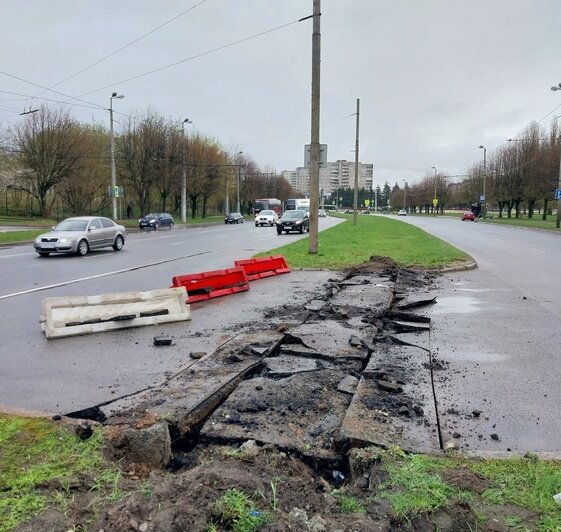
[332, 175]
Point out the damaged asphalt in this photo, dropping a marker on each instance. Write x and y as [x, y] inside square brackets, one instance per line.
[352, 364]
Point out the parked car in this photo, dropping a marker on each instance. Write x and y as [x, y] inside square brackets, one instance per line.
[155, 220]
[402, 212]
[80, 235]
[293, 221]
[233, 218]
[468, 215]
[266, 218]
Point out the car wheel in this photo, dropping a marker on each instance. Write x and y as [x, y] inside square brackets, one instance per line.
[171, 226]
[43, 253]
[119, 243]
[156, 226]
[301, 229]
[83, 248]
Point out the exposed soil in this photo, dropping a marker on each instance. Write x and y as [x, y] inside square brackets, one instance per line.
[272, 414]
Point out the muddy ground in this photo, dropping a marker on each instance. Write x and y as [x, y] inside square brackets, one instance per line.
[282, 413]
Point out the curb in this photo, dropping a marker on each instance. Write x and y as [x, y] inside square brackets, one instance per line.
[465, 267]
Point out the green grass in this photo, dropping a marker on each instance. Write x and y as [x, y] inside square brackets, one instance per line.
[346, 245]
[35, 451]
[237, 512]
[536, 222]
[415, 486]
[527, 482]
[15, 237]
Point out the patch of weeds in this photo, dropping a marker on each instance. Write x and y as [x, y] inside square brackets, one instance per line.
[415, 488]
[526, 482]
[147, 489]
[36, 452]
[235, 510]
[350, 505]
[513, 521]
[274, 494]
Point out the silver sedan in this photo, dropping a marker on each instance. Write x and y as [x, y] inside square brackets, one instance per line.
[80, 235]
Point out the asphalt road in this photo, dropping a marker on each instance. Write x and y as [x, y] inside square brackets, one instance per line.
[69, 374]
[496, 329]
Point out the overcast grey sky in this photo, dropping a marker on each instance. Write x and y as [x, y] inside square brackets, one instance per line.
[436, 78]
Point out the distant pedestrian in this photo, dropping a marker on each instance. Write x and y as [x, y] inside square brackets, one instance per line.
[129, 211]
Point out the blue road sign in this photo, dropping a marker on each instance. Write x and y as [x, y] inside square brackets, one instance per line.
[482, 199]
[558, 193]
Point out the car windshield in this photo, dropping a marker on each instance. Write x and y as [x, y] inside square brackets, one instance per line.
[234, 214]
[152, 215]
[72, 225]
[293, 215]
[267, 213]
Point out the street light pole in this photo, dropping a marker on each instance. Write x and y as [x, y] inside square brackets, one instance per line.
[404, 194]
[113, 168]
[240, 153]
[184, 173]
[434, 200]
[484, 179]
[558, 219]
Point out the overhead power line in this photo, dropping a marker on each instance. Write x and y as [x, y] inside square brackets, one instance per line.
[191, 58]
[124, 47]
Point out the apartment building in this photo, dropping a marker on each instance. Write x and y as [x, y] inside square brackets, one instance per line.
[333, 175]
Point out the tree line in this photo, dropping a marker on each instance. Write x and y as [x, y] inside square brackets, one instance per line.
[518, 177]
[50, 158]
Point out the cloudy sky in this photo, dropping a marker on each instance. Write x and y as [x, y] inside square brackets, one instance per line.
[435, 78]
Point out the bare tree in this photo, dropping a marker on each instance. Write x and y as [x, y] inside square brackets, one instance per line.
[50, 149]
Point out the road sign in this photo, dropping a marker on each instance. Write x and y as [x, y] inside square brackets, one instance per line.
[482, 199]
[435, 202]
[558, 193]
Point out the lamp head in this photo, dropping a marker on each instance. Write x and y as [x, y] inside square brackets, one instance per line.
[113, 95]
[481, 147]
[187, 121]
[555, 88]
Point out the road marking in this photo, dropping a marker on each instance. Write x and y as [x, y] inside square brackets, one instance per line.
[106, 274]
[538, 250]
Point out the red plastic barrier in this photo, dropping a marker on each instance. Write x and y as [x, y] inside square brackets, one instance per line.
[263, 266]
[208, 285]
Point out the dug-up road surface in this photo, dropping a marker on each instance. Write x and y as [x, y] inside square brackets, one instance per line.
[351, 363]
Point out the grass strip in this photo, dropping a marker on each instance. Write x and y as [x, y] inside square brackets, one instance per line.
[14, 237]
[346, 245]
[36, 452]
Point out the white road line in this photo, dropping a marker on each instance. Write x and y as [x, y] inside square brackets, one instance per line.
[106, 274]
[538, 250]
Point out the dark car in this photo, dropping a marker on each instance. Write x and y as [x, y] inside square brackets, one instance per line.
[293, 221]
[468, 215]
[155, 220]
[80, 235]
[233, 218]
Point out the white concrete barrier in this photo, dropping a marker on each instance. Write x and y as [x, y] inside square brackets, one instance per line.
[72, 316]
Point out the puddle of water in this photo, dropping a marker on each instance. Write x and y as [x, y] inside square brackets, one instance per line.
[463, 304]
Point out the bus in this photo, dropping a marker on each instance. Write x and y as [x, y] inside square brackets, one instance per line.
[271, 204]
[301, 204]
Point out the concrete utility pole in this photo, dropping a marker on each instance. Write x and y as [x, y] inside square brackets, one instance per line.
[558, 219]
[240, 153]
[113, 168]
[314, 143]
[184, 174]
[404, 194]
[484, 179]
[355, 212]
